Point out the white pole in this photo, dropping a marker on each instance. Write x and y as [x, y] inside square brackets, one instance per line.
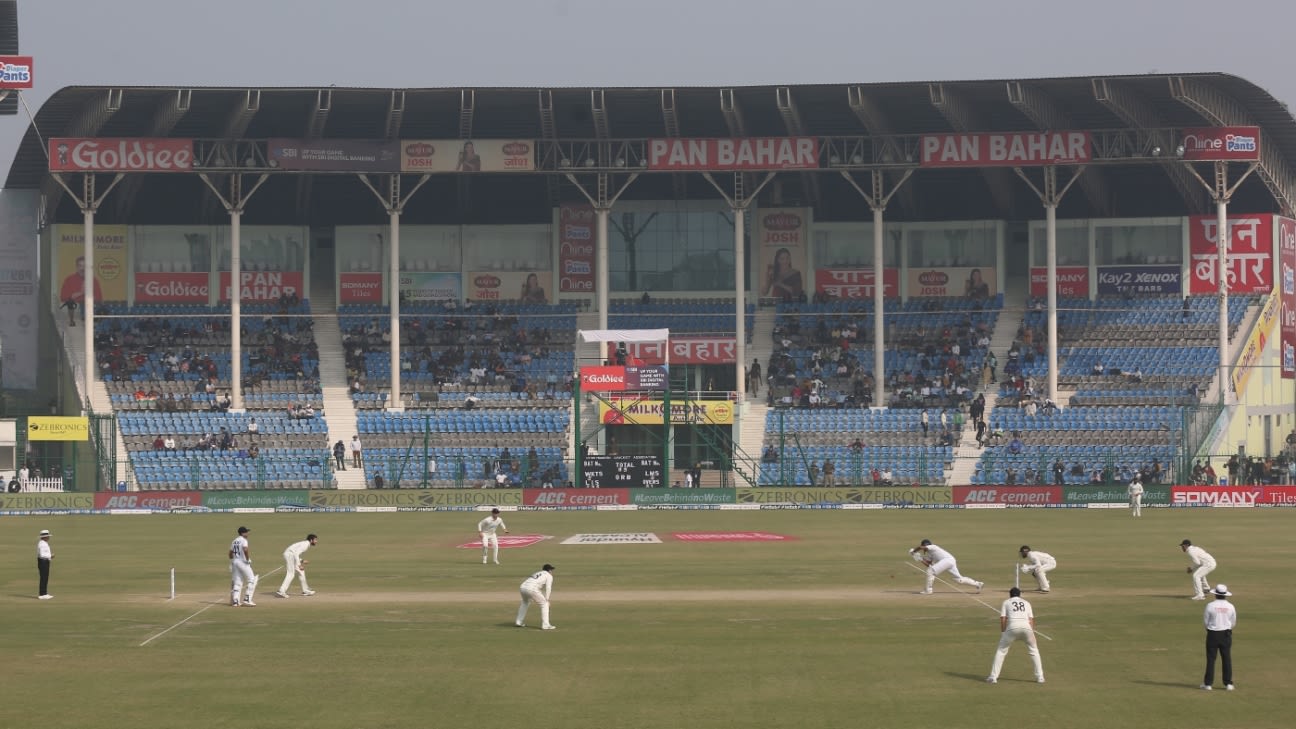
[1050, 221]
[1222, 235]
[879, 301]
[395, 402]
[236, 310]
[173, 583]
[740, 291]
[88, 299]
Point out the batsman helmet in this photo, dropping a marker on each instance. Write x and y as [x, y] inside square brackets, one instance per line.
[1024, 549]
[925, 542]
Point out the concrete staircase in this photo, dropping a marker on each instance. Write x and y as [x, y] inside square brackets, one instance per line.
[339, 411]
[74, 349]
[588, 354]
[753, 411]
[967, 454]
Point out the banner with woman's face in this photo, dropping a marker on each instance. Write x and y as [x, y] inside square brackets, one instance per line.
[782, 242]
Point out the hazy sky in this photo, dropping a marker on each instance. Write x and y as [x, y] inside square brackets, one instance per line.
[412, 43]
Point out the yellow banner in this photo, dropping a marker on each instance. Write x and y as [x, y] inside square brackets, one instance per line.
[110, 260]
[649, 412]
[1255, 345]
[57, 427]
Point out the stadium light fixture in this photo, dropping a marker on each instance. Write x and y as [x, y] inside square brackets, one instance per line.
[857, 159]
[1156, 151]
[1179, 151]
[620, 162]
[589, 161]
[564, 162]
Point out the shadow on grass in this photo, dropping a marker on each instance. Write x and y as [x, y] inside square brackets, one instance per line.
[1168, 684]
[978, 677]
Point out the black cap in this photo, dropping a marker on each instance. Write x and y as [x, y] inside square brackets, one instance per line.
[1185, 543]
[1024, 548]
[310, 537]
[925, 542]
[494, 511]
[548, 568]
[244, 530]
[1014, 591]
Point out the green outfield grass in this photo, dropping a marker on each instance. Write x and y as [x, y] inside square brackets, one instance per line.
[823, 631]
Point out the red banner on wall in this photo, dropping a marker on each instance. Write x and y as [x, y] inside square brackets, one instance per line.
[1250, 254]
[171, 288]
[360, 288]
[1287, 274]
[1071, 281]
[575, 497]
[1214, 144]
[855, 283]
[763, 153]
[1214, 495]
[576, 249]
[263, 285]
[686, 350]
[110, 154]
[160, 500]
[1013, 149]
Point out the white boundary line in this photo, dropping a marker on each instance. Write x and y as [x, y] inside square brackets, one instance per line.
[191, 617]
[994, 609]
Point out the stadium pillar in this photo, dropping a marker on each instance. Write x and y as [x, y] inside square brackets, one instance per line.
[877, 201]
[601, 199]
[88, 201]
[1051, 196]
[394, 203]
[1221, 192]
[234, 205]
[739, 203]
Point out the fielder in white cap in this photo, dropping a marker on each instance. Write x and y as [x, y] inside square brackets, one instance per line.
[489, 539]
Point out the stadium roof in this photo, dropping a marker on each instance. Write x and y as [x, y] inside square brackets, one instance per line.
[1144, 102]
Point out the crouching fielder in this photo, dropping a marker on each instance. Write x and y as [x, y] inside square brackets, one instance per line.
[1016, 622]
[536, 589]
[295, 566]
[939, 561]
[1038, 564]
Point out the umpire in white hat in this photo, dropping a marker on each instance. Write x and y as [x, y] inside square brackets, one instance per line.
[1220, 619]
[44, 555]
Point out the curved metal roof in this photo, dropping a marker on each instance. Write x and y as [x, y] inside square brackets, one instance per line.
[1081, 103]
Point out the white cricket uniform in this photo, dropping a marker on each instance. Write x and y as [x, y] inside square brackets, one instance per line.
[241, 571]
[1017, 620]
[486, 528]
[1039, 564]
[942, 561]
[536, 589]
[294, 568]
[1204, 564]
[1136, 498]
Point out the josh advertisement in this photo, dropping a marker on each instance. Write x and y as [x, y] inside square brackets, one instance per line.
[335, 155]
[649, 412]
[1287, 275]
[1071, 281]
[472, 155]
[855, 283]
[110, 261]
[527, 287]
[782, 241]
[1250, 254]
[1128, 280]
[576, 249]
[903, 495]
[422, 287]
[945, 282]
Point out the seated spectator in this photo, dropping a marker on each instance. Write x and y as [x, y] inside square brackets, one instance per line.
[1010, 476]
[378, 481]
[1099, 369]
[252, 427]
[857, 445]
[158, 443]
[1015, 445]
[222, 403]
[770, 455]
[169, 444]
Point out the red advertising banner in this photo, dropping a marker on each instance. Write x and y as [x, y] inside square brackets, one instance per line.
[1287, 272]
[160, 500]
[263, 285]
[855, 283]
[1214, 495]
[1215, 144]
[575, 497]
[171, 288]
[1250, 254]
[1013, 149]
[1278, 495]
[576, 249]
[687, 350]
[16, 72]
[603, 379]
[360, 288]
[112, 154]
[757, 153]
[1008, 495]
[1071, 281]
